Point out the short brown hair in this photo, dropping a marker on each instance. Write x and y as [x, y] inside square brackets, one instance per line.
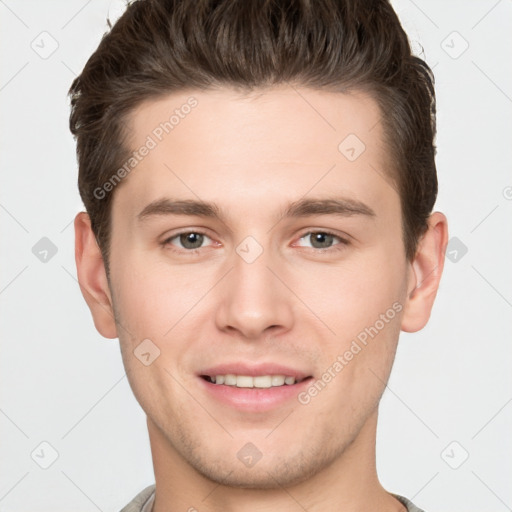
[158, 47]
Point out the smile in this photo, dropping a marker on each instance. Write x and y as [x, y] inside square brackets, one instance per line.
[248, 381]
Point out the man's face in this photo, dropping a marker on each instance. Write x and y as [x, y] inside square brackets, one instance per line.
[260, 289]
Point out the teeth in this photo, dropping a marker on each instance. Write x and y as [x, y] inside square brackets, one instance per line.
[262, 381]
[242, 381]
[278, 380]
[247, 381]
[229, 380]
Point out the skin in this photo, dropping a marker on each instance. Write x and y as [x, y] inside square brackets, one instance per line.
[296, 304]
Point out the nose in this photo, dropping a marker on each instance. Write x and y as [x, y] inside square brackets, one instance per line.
[253, 301]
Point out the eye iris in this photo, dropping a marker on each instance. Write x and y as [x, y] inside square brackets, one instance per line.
[323, 240]
[191, 240]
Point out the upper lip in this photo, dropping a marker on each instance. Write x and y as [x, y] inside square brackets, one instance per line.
[253, 370]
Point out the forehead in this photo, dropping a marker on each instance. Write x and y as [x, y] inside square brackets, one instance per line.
[281, 142]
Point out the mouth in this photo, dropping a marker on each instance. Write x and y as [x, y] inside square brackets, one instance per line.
[254, 389]
[256, 381]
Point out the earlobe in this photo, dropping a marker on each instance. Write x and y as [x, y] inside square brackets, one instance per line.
[92, 277]
[426, 271]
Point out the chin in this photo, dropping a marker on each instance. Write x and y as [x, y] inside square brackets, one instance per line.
[272, 473]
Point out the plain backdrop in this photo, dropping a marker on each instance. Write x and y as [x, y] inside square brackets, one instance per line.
[445, 419]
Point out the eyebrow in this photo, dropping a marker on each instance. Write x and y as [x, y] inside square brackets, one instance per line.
[302, 208]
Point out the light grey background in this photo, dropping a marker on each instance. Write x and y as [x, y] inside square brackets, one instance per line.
[61, 383]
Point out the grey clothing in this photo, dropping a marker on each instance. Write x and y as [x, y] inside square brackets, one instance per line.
[143, 502]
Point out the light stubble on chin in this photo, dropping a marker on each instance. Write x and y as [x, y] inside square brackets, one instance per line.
[291, 467]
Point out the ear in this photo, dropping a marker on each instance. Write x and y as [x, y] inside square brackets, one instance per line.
[92, 277]
[425, 273]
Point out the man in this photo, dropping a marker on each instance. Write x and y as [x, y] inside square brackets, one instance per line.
[259, 180]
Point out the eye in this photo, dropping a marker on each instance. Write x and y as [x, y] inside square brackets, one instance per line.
[188, 240]
[321, 240]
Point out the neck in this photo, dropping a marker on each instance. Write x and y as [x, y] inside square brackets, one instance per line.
[349, 483]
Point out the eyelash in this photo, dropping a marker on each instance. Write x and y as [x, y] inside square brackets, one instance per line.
[337, 247]
[343, 242]
[167, 242]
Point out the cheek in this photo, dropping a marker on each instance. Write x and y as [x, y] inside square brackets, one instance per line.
[361, 301]
[363, 305]
[353, 294]
[154, 302]
[152, 296]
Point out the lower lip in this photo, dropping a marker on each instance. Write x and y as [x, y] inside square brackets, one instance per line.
[255, 399]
